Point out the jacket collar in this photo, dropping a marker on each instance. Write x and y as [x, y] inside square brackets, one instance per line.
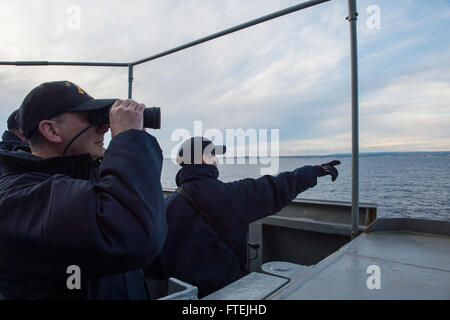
[193, 172]
[12, 142]
[9, 136]
[76, 166]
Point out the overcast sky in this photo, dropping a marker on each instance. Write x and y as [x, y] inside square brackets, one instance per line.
[291, 73]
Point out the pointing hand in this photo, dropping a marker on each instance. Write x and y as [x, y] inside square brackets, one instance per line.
[328, 169]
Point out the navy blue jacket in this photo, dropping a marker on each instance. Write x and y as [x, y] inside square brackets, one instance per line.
[193, 251]
[52, 216]
[10, 142]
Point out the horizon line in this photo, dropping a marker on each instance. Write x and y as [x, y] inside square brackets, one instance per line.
[346, 154]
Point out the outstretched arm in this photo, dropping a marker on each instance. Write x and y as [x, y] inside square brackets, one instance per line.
[258, 198]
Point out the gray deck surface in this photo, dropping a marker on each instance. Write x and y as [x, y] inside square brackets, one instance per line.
[412, 266]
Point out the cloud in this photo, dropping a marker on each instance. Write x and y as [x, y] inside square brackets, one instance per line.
[410, 113]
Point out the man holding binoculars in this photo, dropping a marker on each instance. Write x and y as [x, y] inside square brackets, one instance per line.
[60, 209]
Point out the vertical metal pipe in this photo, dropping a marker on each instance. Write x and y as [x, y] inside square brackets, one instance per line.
[130, 81]
[352, 17]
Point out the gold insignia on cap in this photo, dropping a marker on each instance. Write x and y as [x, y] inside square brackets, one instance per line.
[80, 90]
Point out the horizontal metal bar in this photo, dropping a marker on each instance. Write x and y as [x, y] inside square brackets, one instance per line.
[176, 49]
[301, 201]
[58, 63]
[233, 29]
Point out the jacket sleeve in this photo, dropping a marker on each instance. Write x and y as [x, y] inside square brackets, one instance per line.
[117, 224]
[258, 198]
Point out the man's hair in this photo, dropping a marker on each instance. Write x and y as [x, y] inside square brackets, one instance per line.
[36, 139]
[12, 122]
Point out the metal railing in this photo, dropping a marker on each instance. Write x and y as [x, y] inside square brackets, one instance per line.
[352, 17]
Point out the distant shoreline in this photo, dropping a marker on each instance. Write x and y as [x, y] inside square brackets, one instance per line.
[361, 154]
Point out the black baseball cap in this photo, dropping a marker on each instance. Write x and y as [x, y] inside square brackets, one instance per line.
[192, 150]
[51, 99]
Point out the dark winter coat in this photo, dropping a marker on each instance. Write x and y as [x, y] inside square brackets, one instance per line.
[10, 142]
[52, 217]
[193, 251]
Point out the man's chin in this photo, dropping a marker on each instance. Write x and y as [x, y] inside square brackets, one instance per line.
[98, 154]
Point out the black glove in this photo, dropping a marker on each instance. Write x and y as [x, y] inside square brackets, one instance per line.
[328, 169]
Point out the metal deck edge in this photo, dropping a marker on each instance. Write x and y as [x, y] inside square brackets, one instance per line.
[435, 227]
[295, 284]
[308, 224]
[421, 226]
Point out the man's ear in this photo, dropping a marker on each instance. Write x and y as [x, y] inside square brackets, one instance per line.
[50, 130]
[210, 159]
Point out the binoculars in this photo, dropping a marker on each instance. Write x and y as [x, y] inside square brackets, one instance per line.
[152, 117]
